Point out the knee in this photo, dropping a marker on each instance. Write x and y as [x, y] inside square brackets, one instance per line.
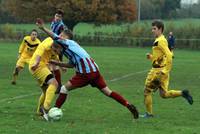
[47, 105]
[106, 91]
[163, 95]
[55, 83]
[147, 91]
[64, 90]
[16, 72]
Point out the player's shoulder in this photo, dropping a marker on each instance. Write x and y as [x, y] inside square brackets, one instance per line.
[161, 40]
[27, 37]
[38, 40]
[47, 42]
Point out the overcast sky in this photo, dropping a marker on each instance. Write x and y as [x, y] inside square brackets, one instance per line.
[189, 1]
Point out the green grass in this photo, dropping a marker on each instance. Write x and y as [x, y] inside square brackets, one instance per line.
[88, 111]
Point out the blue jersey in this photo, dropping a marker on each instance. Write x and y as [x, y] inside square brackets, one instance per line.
[57, 27]
[77, 56]
[171, 42]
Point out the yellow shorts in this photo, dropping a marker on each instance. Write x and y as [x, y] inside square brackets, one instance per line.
[41, 74]
[156, 79]
[22, 61]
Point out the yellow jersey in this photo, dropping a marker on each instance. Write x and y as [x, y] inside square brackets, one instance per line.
[161, 55]
[44, 50]
[28, 47]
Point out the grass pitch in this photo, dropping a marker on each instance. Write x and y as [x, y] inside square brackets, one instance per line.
[88, 111]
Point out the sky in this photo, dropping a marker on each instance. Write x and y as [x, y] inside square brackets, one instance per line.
[189, 1]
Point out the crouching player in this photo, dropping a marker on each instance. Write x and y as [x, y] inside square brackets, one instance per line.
[40, 70]
[87, 71]
[26, 50]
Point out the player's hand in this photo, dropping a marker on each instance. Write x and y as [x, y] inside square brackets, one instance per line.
[53, 62]
[149, 56]
[40, 23]
[64, 69]
[34, 67]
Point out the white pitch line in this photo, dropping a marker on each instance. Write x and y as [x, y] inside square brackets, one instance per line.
[32, 94]
[128, 75]
[18, 97]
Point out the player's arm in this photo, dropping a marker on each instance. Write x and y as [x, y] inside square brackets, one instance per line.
[54, 36]
[39, 52]
[21, 48]
[162, 45]
[62, 64]
[149, 56]
[37, 62]
[40, 24]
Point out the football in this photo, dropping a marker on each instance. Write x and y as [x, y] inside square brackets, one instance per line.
[55, 114]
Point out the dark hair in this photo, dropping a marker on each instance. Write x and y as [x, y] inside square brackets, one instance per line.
[68, 32]
[60, 11]
[34, 30]
[159, 24]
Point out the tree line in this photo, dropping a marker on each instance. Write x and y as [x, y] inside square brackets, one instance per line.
[94, 11]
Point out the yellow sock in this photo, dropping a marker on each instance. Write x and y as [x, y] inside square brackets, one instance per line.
[148, 103]
[50, 93]
[40, 103]
[173, 93]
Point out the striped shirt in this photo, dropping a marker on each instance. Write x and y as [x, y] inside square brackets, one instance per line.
[57, 26]
[77, 56]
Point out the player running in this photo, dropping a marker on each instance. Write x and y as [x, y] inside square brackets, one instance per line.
[158, 77]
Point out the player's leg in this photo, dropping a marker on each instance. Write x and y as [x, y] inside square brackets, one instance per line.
[76, 81]
[40, 103]
[49, 95]
[56, 71]
[165, 93]
[19, 66]
[41, 99]
[50, 91]
[148, 102]
[15, 74]
[63, 94]
[57, 76]
[45, 77]
[119, 98]
[151, 85]
[170, 93]
[100, 83]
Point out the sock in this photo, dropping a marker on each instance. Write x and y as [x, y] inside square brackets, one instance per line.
[50, 93]
[148, 103]
[119, 98]
[61, 100]
[57, 76]
[40, 102]
[173, 94]
[62, 97]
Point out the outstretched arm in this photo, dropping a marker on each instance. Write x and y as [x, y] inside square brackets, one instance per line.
[61, 64]
[40, 24]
